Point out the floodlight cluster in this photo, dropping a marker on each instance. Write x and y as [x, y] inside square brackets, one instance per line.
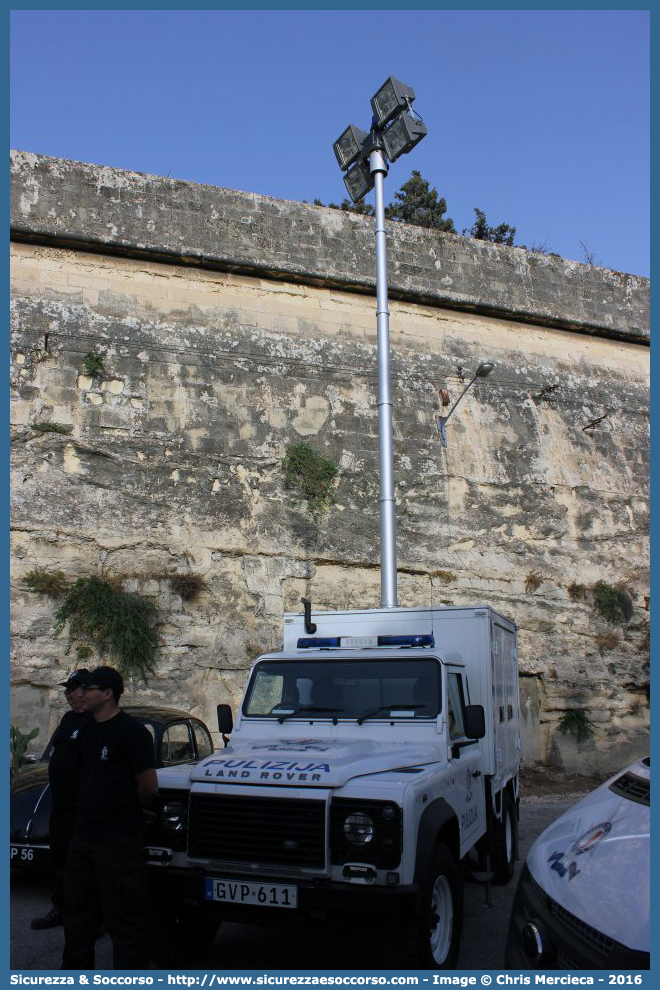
[395, 130]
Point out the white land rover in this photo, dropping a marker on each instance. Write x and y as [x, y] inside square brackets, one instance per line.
[368, 758]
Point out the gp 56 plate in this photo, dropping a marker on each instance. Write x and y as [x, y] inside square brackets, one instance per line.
[245, 892]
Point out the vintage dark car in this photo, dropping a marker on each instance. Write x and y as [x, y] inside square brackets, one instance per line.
[178, 738]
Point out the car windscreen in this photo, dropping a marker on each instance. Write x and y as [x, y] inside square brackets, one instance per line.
[349, 687]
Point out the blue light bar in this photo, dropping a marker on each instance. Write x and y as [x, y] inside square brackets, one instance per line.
[318, 643]
[426, 640]
[330, 642]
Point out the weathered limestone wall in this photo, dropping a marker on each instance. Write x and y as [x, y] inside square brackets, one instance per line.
[231, 325]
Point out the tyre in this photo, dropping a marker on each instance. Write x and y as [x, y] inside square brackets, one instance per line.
[431, 940]
[504, 842]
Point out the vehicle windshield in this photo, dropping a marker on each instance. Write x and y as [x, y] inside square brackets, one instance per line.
[346, 688]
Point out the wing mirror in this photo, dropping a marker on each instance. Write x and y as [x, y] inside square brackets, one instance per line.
[225, 722]
[475, 722]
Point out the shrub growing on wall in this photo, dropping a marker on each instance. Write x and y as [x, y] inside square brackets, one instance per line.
[615, 605]
[577, 723]
[311, 474]
[116, 623]
[120, 624]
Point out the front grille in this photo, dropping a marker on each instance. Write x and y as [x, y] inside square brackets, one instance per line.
[271, 831]
[602, 943]
[635, 788]
[584, 932]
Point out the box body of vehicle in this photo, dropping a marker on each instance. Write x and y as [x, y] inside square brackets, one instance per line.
[583, 899]
[367, 751]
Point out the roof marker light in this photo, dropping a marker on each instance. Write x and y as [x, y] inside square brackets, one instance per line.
[423, 640]
[318, 643]
[357, 642]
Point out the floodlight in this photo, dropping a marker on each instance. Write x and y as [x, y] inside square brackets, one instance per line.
[358, 182]
[403, 135]
[392, 96]
[348, 147]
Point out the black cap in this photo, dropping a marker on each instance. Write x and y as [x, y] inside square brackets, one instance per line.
[75, 679]
[105, 677]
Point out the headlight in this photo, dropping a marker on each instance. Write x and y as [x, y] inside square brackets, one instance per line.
[359, 828]
[173, 816]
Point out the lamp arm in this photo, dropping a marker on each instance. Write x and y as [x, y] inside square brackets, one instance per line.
[469, 385]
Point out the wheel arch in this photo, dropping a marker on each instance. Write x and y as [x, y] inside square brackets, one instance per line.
[438, 823]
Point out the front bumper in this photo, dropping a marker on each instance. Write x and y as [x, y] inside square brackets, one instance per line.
[544, 935]
[317, 899]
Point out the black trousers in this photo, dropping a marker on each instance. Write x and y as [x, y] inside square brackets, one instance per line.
[105, 882]
[62, 822]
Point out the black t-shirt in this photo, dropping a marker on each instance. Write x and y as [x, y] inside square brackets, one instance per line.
[64, 763]
[113, 752]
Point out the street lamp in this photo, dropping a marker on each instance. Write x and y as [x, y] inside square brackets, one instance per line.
[482, 371]
[395, 130]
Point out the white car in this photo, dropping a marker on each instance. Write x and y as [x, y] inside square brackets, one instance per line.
[583, 900]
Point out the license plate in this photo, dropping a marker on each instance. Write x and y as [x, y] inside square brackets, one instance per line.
[21, 854]
[244, 892]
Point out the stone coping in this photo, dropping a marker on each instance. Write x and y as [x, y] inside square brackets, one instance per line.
[115, 211]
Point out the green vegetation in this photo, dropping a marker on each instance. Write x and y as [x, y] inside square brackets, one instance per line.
[93, 364]
[577, 723]
[51, 583]
[482, 231]
[311, 474]
[46, 426]
[102, 616]
[18, 743]
[614, 604]
[118, 623]
[418, 203]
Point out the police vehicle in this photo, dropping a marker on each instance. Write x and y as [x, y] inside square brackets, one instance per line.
[583, 899]
[368, 758]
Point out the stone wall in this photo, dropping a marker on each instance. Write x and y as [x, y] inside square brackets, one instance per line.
[231, 325]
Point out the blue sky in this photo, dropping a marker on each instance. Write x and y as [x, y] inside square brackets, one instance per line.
[540, 118]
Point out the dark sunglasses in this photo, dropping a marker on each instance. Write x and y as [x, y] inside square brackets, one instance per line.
[92, 687]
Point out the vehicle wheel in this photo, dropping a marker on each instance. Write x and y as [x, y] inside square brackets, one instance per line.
[431, 941]
[443, 910]
[504, 842]
[179, 934]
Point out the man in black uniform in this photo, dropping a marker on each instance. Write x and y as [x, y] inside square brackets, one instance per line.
[105, 881]
[64, 777]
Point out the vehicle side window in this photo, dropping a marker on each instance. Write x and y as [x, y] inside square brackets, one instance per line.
[202, 741]
[176, 744]
[455, 706]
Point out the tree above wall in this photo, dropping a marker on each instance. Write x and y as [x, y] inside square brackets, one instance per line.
[418, 203]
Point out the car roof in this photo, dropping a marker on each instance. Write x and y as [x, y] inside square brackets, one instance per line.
[157, 712]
